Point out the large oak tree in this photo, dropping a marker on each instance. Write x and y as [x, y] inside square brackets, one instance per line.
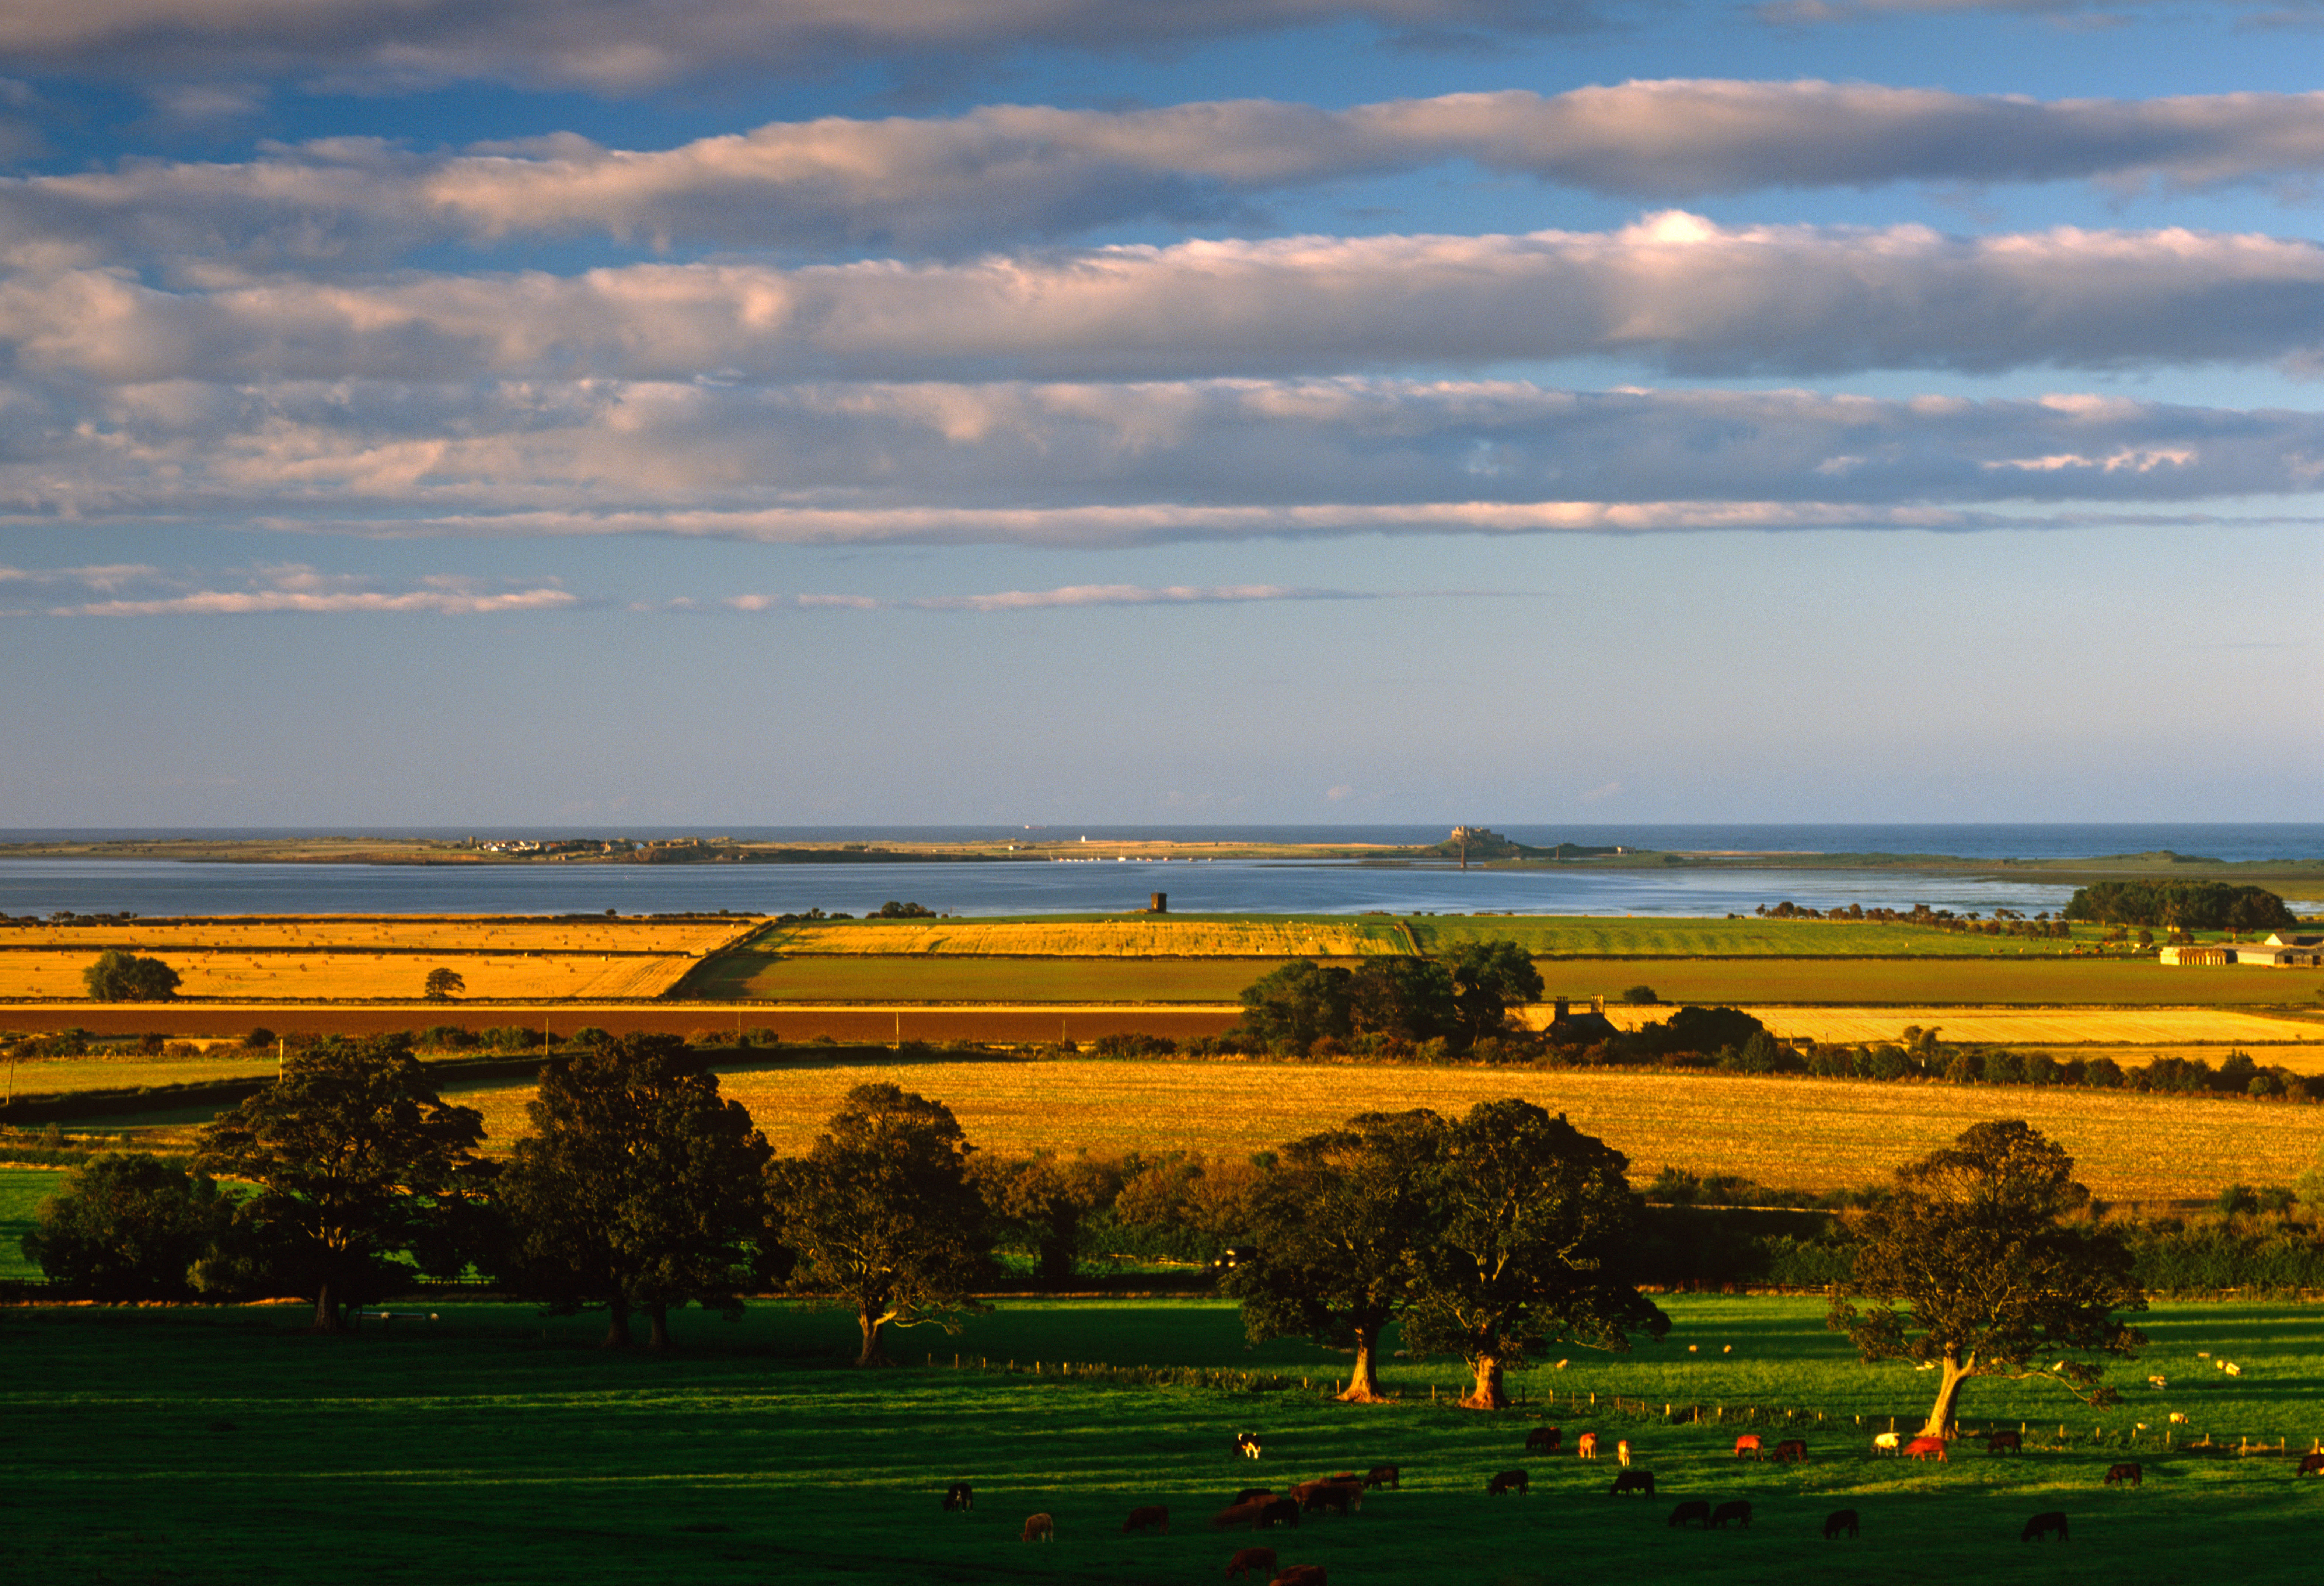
[639, 1188]
[1529, 1221]
[1973, 1266]
[883, 1217]
[357, 1161]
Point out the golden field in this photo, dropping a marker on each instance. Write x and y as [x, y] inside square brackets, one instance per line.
[2167, 1026]
[1151, 937]
[1791, 1133]
[390, 933]
[341, 975]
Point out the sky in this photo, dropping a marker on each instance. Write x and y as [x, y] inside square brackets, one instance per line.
[765, 413]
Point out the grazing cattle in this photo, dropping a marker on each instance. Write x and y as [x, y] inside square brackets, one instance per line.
[1040, 1528]
[1384, 1476]
[1791, 1451]
[1622, 1453]
[1257, 1561]
[2008, 1439]
[2053, 1524]
[1241, 1517]
[2125, 1475]
[2178, 1418]
[1507, 1481]
[1546, 1439]
[1246, 1443]
[1738, 1509]
[2232, 1369]
[1339, 1496]
[1839, 1522]
[1282, 1511]
[1749, 1443]
[2158, 1381]
[1926, 1448]
[1154, 1516]
[2310, 1464]
[1301, 1575]
[1254, 1495]
[1346, 1479]
[960, 1496]
[1693, 1511]
[1586, 1445]
[1634, 1481]
[1886, 1443]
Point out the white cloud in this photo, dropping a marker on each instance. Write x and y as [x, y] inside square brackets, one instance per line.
[292, 588]
[1672, 290]
[1008, 174]
[617, 45]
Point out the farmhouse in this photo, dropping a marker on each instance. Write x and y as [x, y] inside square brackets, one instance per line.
[2278, 952]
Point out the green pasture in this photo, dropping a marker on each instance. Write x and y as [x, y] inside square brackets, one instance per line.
[930, 979]
[496, 1445]
[22, 1191]
[1747, 935]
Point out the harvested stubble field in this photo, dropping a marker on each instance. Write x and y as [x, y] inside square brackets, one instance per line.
[400, 933]
[1919, 983]
[1790, 1133]
[2028, 1027]
[1746, 936]
[1330, 936]
[894, 978]
[343, 974]
[499, 1446]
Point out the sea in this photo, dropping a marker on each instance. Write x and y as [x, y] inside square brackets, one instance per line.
[1099, 881]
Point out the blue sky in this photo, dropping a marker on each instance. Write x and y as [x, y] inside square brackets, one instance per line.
[774, 411]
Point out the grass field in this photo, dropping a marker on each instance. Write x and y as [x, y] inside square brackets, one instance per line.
[1329, 936]
[888, 978]
[22, 1191]
[496, 1446]
[1793, 1133]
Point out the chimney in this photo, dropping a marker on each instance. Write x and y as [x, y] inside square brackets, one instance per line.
[1597, 1006]
[1561, 1006]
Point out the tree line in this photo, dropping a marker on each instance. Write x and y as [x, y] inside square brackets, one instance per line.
[1498, 1236]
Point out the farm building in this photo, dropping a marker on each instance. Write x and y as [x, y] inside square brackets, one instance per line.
[2207, 956]
[2278, 952]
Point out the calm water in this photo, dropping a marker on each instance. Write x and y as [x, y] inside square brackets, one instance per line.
[160, 887]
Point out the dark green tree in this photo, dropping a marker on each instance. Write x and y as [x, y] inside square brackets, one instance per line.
[128, 1226]
[639, 1189]
[443, 984]
[1530, 1221]
[357, 1161]
[1411, 999]
[1301, 1002]
[883, 1217]
[1489, 978]
[1339, 1224]
[123, 977]
[1973, 1268]
[1046, 1199]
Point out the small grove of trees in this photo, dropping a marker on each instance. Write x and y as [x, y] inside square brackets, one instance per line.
[1975, 1263]
[1461, 996]
[2202, 906]
[128, 1226]
[124, 977]
[1492, 1237]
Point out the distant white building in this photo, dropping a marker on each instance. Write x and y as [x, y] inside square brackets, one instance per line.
[2278, 952]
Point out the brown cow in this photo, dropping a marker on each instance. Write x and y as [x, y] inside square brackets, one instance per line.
[2053, 1524]
[1040, 1528]
[1301, 1575]
[1339, 1496]
[1922, 1448]
[2310, 1464]
[1839, 1521]
[1260, 1560]
[1586, 1445]
[1157, 1515]
[1283, 1511]
[2008, 1439]
[2125, 1475]
[1791, 1451]
[1507, 1481]
[1384, 1476]
[1254, 1495]
[1634, 1481]
[1546, 1439]
[1693, 1510]
[1345, 1477]
[1738, 1509]
[1749, 1443]
[1236, 1516]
